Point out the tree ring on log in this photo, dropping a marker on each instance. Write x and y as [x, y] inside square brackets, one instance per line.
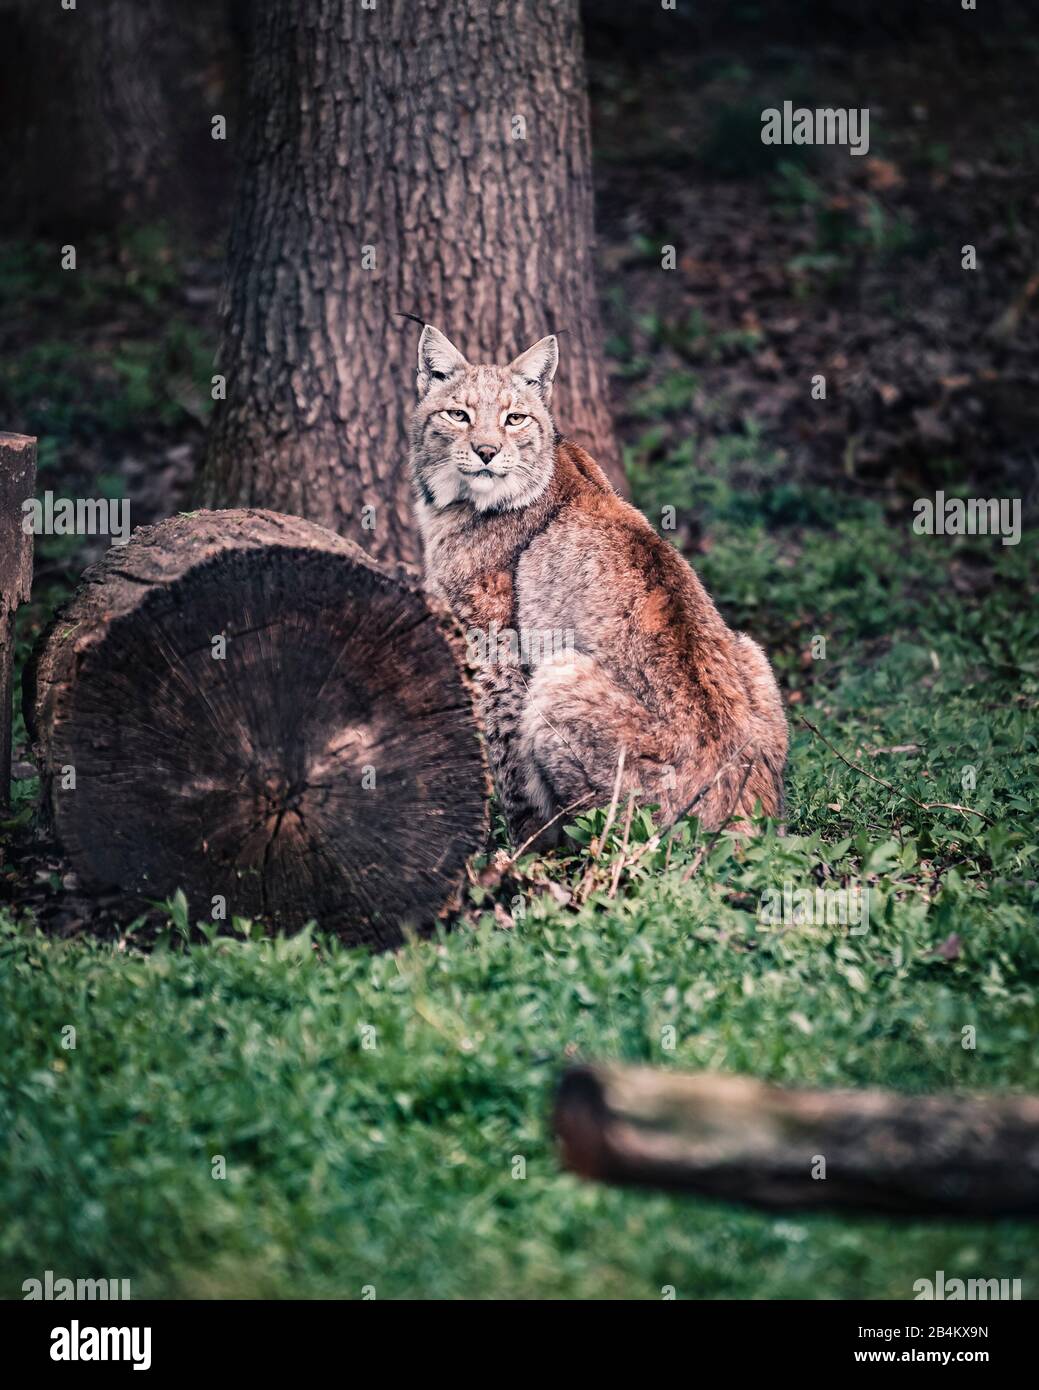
[255, 712]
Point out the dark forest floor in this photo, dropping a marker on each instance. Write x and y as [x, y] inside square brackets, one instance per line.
[794, 261]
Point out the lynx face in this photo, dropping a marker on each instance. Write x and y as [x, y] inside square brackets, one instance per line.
[482, 435]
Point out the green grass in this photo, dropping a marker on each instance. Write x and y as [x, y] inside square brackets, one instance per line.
[392, 1165]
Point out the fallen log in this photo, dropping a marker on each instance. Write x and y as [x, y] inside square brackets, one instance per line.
[246, 707]
[17, 484]
[742, 1140]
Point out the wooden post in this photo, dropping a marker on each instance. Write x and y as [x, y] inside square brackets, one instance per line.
[17, 484]
[742, 1140]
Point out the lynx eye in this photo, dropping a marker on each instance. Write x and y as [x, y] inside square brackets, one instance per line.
[516, 420]
[459, 415]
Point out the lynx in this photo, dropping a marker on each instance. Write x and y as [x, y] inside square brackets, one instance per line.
[648, 692]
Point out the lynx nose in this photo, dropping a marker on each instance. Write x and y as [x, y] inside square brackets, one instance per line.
[485, 451]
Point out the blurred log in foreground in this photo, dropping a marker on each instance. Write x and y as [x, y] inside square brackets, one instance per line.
[739, 1139]
[247, 707]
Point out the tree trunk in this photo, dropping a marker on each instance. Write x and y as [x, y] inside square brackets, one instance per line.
[424, 157]
[17, 484]
[246, 707]
[736, 1138]
[94, 125]
[107, 114]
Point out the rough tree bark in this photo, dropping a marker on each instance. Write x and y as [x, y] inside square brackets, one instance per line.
[246, 707]
[423, 157]
[739, 1139]
[17, 483]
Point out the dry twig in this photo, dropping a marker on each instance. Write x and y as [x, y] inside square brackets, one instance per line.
[899, 791]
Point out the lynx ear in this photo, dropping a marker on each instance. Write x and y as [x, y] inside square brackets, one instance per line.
[438, 358]
[538, 365]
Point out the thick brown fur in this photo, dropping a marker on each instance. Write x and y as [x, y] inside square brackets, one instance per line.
[640, 659]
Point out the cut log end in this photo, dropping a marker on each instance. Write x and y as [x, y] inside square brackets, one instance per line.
[247, 707]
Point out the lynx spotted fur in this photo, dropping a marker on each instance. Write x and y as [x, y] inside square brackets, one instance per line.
[591, 634]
